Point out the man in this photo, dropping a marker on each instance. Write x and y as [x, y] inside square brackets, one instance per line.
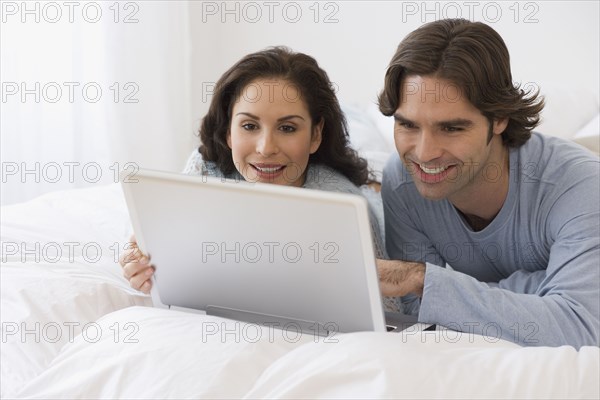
[513, 216]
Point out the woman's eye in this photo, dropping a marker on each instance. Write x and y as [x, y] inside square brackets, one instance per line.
[249, 126]
[288, 128]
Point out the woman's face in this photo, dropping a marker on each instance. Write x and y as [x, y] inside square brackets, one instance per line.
[271, 135]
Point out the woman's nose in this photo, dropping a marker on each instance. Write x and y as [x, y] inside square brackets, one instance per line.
[267, 144]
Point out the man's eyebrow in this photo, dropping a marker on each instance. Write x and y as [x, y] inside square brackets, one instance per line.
[285, 118]
[457, 121]
[398, 117]
[451, 122]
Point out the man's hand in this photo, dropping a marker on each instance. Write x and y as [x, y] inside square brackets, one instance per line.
[399, 278]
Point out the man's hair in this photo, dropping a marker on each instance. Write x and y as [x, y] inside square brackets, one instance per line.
[316, 90]
[474, 57]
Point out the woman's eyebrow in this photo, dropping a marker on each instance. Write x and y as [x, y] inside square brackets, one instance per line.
[289, 117]
[248, 115]
[285, 118]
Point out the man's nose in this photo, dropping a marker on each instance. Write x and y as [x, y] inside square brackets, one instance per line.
[428, 147]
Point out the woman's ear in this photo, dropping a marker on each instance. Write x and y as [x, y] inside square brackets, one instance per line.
[317, 136]
[228, 137]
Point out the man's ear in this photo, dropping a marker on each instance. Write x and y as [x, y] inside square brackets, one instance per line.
[317, 136]
[500, 125]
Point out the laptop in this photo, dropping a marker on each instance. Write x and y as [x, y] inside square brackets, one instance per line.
[259, 253]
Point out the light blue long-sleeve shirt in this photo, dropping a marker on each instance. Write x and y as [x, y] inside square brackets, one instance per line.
[532, 276]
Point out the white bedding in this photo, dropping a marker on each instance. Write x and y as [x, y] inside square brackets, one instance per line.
[97, 338]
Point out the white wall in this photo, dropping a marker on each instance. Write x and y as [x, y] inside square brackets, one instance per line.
[137, 56]
[551, 42]
[177, 49]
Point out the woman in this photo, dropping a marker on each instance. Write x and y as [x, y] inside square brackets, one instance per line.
[273, 118]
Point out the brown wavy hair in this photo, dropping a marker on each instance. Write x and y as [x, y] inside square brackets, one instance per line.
[315, 89]
[473, 56]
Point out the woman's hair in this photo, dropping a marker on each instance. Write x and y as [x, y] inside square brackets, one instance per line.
[472, 56]
[315, 89]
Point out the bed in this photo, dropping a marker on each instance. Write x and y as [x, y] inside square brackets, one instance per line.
[73, 328]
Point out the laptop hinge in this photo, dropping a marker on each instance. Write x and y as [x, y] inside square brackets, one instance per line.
[275, 321]
[185, 309]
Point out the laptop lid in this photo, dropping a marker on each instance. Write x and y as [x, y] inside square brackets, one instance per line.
[258, 252]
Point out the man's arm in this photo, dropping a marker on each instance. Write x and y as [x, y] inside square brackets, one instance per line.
[551, 316]
[401, 278]
[554, 307]
[462, 303]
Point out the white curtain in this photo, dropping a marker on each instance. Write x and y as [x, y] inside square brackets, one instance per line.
[91, 88]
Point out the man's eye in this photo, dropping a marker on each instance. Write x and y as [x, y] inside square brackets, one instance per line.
[406, 125]
[288, 128]
[453, 129]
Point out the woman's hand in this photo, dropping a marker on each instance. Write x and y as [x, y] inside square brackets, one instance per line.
[136, 267]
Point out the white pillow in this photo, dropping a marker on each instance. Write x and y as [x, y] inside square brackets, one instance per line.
[366, 136]
[147, 353]
[50, 295]
[567, 109]
[364, 133]
[153, 353]
[385, 125]
[589, 135]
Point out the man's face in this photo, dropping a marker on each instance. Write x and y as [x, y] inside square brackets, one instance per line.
[444, 140]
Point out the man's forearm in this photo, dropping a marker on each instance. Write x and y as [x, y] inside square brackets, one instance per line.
[400, 278]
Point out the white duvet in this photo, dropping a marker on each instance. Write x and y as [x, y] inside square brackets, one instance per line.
[72, 328]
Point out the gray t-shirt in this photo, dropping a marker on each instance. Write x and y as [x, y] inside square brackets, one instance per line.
[532, 275]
